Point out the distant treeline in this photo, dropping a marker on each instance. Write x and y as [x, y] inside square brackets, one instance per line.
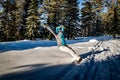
[23, 19]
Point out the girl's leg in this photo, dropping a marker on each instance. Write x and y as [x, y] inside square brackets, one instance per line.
[69, 50]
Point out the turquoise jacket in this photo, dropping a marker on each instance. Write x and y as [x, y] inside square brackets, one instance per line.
[58, 28]
[62, 39]
[61, 35]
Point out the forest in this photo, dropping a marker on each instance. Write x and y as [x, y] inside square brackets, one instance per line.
[23, 19]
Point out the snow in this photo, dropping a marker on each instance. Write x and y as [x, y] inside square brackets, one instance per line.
[42, 60]
[93, 40]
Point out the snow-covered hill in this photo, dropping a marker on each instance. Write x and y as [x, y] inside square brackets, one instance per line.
[42, 60]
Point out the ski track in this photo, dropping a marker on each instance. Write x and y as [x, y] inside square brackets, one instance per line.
[102, 64]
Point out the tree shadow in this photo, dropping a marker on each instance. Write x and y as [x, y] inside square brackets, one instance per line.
[107, 69]
[92, 69]
[23, 45]
[38, 72]
[85, 55]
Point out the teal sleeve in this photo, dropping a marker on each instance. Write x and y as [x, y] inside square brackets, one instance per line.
[57, 29]
[62, 28]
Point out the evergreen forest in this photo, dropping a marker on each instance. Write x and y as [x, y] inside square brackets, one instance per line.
[23, 19]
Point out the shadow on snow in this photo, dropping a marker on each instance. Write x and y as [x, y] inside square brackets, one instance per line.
[90, 70]
[23, 45]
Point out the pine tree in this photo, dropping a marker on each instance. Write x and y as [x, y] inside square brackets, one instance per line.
[7, 21]
[87, 19]
[72, 18]
[118, 16]
[55, 10]
[2, 29]
[15, 16]
[18, 19]
[97, 8]
[112, 26]
[32, 24]
[11, 20]
[63, 10]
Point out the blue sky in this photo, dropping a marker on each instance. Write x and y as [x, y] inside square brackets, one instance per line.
[80, 3]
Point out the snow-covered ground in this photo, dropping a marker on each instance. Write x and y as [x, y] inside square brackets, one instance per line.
[42, 60]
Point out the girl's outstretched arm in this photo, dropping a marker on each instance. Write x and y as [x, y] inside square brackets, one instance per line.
[48, 28]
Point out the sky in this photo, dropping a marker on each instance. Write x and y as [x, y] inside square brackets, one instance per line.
[80, 3]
